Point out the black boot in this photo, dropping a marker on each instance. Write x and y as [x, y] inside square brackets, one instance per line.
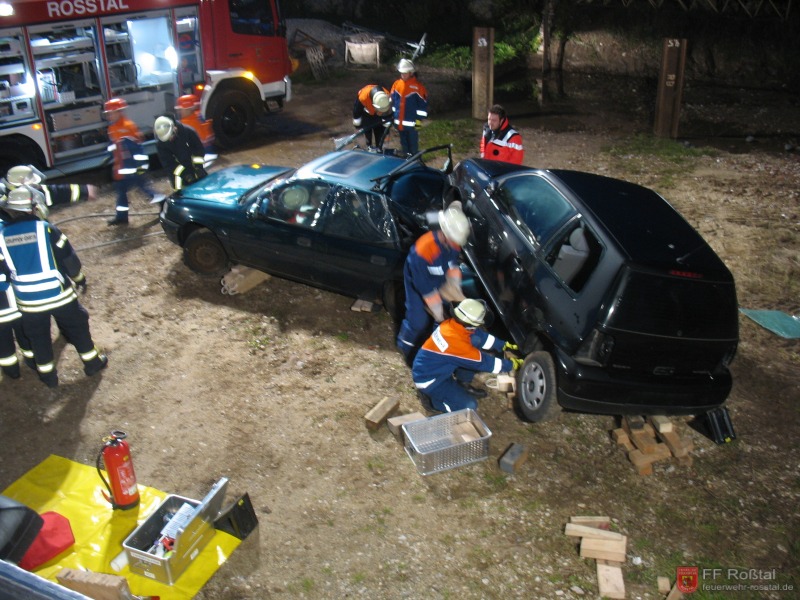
[49, 379]
[97, 364]
[12, 371]
[472, 390]
[117, 221]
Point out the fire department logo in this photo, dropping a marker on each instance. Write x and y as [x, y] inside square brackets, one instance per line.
[687, 579]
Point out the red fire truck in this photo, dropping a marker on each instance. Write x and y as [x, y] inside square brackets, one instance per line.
[60, 60]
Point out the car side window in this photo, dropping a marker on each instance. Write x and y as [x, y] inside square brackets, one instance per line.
[537, 204]
[575, 255]
[298, 203]
[360, 216]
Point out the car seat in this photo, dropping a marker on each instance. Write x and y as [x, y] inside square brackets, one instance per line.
[572, 255]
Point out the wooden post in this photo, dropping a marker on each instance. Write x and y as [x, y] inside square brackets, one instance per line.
[670, 88]
[482, 71]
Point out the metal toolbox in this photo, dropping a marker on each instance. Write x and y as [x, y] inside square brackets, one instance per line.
[447, 441]
[75, 117]
[191, 527]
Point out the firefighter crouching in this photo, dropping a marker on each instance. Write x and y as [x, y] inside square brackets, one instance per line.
[180, 151]
[45, 273]
[449, 359]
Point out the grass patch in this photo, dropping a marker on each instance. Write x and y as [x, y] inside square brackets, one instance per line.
[464, 134]
[665, 159]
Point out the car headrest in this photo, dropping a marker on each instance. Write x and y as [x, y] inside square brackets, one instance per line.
[577, 239]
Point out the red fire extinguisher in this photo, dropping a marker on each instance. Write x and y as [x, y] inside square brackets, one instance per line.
[121, 483]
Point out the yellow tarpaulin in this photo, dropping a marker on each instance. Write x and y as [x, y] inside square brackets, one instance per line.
[76, 492]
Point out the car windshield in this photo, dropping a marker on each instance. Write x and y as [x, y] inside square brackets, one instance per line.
[536, 203]
[262, 190]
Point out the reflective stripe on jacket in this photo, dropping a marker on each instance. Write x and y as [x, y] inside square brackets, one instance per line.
[38, 284]
[409, 102]
[503, 144]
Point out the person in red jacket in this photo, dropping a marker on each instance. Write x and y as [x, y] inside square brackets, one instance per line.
[500, 140]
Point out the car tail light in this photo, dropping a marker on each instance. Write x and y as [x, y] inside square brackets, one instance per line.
[595, 350]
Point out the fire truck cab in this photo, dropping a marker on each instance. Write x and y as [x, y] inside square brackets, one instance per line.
[60, 60]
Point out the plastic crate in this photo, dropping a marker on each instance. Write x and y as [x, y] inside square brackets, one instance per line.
[447, 441]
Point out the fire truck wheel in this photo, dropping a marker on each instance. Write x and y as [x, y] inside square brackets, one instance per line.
[234, 118]
[203, 254]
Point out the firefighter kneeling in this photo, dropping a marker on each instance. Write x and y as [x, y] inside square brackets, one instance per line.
[45, 272]
[447, 362]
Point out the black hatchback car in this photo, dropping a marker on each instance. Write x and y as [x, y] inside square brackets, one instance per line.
[619, 304]
[343, 222]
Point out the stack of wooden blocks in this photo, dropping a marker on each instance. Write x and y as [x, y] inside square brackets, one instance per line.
[607, 547]
[647, 442]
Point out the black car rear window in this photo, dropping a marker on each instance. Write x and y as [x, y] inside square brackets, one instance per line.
[675, 306]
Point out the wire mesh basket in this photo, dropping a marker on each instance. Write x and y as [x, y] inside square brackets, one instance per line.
[447, 441]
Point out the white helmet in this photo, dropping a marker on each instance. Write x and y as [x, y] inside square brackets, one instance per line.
[26, 200]
[454, 225]
[24, 174]
[381, 102]
[471, 312]
[405, 66]
[164, 126]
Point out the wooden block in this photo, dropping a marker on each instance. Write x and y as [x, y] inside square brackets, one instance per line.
[675, 593]
[610, 581]
[506, 383]
[644, 441]
[587, 531]
[675, 444]
[98, 586]
[380, 412]
[622, 439]
[396, 423]
[633, 423]
[465, 432]
[663, 585]
[604, 549]
[591, 521]
[513, 458]
[644, 462]
[661, 423]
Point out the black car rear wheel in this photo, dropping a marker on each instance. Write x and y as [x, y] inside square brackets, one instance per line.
[204, 254]
[536, 387]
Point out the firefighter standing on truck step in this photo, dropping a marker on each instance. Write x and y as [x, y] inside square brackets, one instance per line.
[45, 273]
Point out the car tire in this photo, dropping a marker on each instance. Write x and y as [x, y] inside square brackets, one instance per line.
[233, 118]
[203, 253]
[536, 388]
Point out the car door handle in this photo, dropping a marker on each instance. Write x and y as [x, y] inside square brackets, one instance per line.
[304, 242]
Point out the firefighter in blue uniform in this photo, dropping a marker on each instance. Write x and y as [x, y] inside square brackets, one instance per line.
[449, 359]
[11, 323]
[45, 273]
[431, 269]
